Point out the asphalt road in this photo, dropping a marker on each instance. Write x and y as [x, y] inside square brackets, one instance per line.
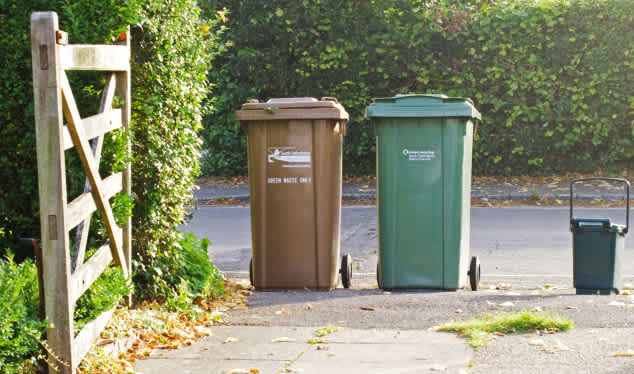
[526, 260]
[526, 247]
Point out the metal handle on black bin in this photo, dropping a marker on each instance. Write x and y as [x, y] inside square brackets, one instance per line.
[627, 200]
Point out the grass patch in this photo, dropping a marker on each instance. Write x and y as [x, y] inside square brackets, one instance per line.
[316, 341]
[323, 331]
[478, 329]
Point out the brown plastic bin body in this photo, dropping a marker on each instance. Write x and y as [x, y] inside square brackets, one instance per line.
[295, 157]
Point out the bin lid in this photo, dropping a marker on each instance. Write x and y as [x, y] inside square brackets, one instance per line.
[292, 108]
[424, 106]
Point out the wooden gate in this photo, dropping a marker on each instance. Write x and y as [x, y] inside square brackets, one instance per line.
[66, 278]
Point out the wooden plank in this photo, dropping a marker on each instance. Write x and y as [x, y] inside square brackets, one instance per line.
[95, 57]
[124, 91]
[84, 204]
[81, 235]
[87, 160]
[87, 336]
[96, 126]
[90, 271]
[52, 187]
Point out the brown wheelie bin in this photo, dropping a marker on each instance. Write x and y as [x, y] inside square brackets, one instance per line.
[295, 151]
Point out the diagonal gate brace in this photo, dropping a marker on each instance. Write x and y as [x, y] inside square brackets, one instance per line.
[92, 172]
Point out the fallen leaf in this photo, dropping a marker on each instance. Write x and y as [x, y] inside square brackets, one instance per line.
[238, 371]
[309, 307]
[283, 311]
[322, 348]
[571, 307]
[331, 354]
[497, 333]
[539, 342]
[368, 308]
[283, 339]
[459, 311]
[438, 368]
[291, 370]
[103, 342]
[254, 371]
[230, 340]
[203, 331]
[628, 353]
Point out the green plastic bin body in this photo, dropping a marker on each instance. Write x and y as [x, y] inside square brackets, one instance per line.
[598, 248]
[424, 146]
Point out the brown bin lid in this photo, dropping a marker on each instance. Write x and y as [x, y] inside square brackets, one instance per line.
[293, 108]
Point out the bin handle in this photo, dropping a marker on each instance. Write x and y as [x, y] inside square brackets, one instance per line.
[627, 200]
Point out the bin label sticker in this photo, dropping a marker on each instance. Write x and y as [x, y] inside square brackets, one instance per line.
[288, 157]
[425, 155]
[289, 180]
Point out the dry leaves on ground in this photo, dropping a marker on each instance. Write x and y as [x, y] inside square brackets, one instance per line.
[151, 326]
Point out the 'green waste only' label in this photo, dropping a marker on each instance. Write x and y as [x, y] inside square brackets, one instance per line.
[412, 155]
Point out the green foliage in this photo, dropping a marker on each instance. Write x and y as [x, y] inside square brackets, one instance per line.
[478, 329]
[553, 78]
[20, 325]
[86, 22]
[172, 48]
[185, 275]
[104, 294]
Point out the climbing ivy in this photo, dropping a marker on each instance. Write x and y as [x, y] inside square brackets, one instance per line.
[553, 78]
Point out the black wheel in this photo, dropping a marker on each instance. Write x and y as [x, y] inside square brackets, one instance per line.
[346, 270]
[251, 272]
[474, 273]
[378, 275]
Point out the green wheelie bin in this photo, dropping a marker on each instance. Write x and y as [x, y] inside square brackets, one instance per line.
[424, 146]
[598, 247]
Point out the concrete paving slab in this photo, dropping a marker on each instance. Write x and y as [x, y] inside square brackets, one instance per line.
[388, 336]
[232, 347]
[207, 366]
[347, 351]
[378, 351]
[577, 351]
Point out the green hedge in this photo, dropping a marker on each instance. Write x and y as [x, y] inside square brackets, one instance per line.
[553, 78]
[86, 22]
[172, 48]
[20, 325]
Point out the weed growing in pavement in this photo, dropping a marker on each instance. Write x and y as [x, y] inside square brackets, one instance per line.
[316, 341]
[478, 329]
[323, 331]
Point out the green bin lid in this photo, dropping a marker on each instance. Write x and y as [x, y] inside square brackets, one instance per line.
[423, 106]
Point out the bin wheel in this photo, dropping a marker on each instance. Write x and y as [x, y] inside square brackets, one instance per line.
[251, 271]
[346, 270]
[474, 273]
[378, 275]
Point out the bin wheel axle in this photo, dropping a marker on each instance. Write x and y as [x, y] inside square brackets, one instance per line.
[474, 273]
[346, 270]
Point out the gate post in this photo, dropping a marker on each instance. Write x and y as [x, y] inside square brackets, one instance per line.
[52, 187]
